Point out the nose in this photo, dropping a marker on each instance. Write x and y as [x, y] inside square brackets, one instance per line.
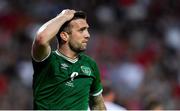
[87, 35]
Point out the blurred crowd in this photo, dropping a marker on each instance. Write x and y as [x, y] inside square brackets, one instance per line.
[136, 44]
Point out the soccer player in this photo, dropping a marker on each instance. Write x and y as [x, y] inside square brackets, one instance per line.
[65, 79]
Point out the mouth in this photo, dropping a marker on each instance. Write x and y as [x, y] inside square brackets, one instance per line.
[85, 42]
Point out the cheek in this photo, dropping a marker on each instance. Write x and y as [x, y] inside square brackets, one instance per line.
[74, 42]
[77, 37]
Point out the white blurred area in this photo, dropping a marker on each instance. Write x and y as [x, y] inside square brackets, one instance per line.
[25, 71]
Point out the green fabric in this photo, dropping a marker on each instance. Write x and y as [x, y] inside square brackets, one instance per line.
[60, 84]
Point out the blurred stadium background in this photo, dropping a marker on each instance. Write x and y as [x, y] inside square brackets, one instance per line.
[136, 44]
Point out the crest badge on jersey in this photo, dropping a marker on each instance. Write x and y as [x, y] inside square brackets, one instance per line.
[86, 70]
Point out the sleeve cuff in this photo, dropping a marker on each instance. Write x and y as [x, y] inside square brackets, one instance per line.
[98, 93]
[43, 58]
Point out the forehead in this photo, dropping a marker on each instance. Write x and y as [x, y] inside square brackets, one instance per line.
[79, 23]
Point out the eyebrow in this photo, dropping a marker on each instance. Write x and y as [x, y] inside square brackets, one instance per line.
[83, 28]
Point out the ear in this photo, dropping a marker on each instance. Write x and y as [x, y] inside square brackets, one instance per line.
[64, 36]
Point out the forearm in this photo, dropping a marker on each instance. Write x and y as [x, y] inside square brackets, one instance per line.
[97, 103]
[41, 45]
[51, 28]
[48, 31]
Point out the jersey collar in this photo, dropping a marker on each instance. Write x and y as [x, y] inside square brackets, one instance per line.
[67, 58]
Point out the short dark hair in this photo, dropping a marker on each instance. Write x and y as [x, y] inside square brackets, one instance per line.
[77, 15]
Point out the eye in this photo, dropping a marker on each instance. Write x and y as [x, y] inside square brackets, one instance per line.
[82, 29]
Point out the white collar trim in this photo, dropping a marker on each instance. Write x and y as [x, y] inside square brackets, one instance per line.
[67, 58]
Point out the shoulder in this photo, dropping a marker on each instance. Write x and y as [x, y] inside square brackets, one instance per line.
[50, 56]
[87, 58]
[90, 62]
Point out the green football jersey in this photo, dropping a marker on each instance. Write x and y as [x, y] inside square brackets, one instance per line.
[62, 83]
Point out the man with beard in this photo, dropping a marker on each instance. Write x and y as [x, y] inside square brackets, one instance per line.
[65, 79]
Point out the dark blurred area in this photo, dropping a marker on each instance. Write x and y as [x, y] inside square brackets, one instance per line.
[136, 44]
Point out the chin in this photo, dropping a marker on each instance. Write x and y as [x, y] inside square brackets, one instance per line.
[82, 50]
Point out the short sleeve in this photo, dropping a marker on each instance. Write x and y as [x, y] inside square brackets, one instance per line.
[42, 59]
[39, 65]
[96, 87]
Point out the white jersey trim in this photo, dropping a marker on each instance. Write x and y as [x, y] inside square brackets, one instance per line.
[67, 58]
[98, 93]
[42, 59]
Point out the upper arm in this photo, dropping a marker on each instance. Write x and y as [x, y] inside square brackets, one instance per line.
[96, 99]
[40, 49]
[97, 102]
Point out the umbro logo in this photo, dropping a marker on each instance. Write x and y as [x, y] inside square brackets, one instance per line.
[64, 66]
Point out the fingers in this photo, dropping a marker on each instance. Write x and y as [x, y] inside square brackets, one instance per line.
[68, 11]
[67, 14]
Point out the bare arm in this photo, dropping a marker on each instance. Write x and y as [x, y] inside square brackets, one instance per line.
[41, 44]
[97, 103]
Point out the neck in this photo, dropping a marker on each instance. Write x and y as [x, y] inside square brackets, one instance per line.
[67, 52]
